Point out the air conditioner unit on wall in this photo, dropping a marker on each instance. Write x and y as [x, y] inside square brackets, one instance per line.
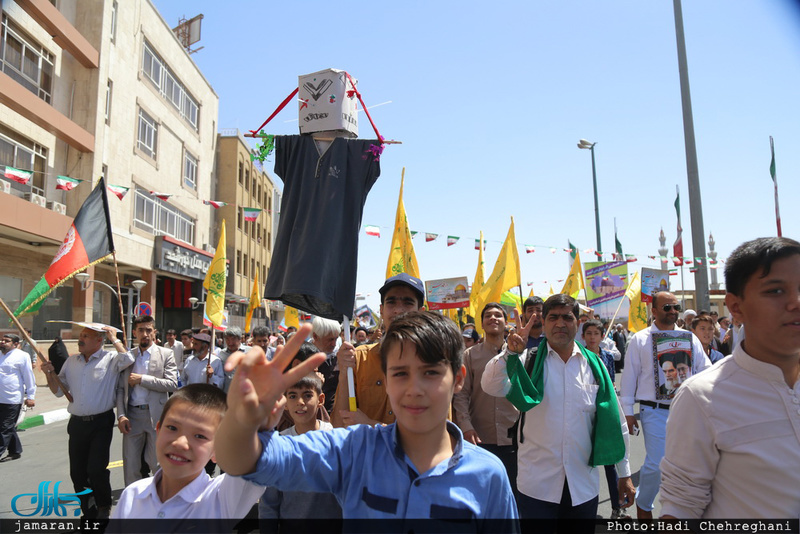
[57, 207]
[36, 199]
[5, 187]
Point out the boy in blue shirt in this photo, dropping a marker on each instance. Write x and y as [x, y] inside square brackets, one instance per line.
[419, 467]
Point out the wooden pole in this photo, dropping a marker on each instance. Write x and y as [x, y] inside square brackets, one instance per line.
[119, 301]
[25, 335]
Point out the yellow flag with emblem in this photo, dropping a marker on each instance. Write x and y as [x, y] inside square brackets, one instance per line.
[401, 256]
[574, 282]
[477, 284]
[505, 275]
[637, 316]
[290, 317]
[215, 281]
[255, 301]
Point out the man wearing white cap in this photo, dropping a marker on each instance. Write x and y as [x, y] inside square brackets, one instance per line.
[91, 378]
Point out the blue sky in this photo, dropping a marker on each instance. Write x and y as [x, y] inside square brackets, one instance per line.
[490, 102]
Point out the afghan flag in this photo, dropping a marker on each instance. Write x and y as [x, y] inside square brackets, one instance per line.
[88, 241]
[18, 175]
[452, 240]
[251, 214]
[66, 183]
[118, 190]
[217, 204]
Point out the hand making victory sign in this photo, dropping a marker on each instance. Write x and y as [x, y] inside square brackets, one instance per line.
[256, 392]
[519, 337]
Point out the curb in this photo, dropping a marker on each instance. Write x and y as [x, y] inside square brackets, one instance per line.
[43, 419]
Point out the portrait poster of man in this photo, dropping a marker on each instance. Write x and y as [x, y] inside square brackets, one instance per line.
[672, 355]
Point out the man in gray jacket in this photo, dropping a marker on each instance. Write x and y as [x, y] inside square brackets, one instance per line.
[142, 390]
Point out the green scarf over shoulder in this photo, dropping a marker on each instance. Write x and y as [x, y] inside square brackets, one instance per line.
[608, 445]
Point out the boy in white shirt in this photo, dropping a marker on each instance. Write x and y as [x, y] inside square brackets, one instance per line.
[184, 444]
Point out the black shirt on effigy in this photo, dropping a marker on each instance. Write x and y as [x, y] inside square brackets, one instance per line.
[314, 262]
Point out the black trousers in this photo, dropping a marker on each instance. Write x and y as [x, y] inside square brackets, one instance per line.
[9, 413]
[89, 451]
[557, 516]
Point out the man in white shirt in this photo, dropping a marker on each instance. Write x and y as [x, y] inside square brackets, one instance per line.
[573, 422]
[91, 378]
[176, 347]
[733, 437]
[16, 383]
[142, 391]
[652, 351]
[202, 367]
[233, 343]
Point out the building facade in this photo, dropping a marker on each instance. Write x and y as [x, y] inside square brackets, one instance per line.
[243, 183]
[96, 88]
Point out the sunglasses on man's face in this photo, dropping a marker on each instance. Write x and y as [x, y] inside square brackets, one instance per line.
[676, 307]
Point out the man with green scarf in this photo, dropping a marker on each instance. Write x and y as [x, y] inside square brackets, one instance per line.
[571, 422]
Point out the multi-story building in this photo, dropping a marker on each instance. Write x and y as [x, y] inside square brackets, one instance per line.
[96, 88]
[243, 183]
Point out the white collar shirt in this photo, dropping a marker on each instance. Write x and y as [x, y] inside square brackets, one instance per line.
[195, 371]
[558, 434]
[733, 444]
[138, 395]
[93, 383]
[222, 497]
[637, 381]
[16, 377]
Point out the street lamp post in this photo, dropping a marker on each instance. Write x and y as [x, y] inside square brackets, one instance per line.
[83, 278]
[586, 145]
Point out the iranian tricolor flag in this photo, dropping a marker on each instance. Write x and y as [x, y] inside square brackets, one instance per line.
[162, 196]
[18, 175]
[373, 231]
[478, 244]
[451, 240]
[430, 237]
[66, 183]
[251, 214]
[88, 241]
[529, 249]
[217, 204]
[118, 190]
[677, 248]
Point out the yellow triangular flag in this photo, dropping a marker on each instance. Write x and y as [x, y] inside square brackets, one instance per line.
[477, 284]
[255, 301]
[290, 317]
[637, 316]
[215, 281]
[531, 294]
[505, 275]
[401, 256]
[574, 282]
[552, 291]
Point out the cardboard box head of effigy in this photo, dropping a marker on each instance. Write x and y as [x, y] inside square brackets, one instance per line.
[324, 104]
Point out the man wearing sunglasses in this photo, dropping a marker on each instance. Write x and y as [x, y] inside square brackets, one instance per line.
[639, 383]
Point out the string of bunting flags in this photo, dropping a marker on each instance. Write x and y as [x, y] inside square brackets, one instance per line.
[375, 231]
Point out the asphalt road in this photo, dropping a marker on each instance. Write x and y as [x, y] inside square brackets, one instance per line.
[45, 458]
